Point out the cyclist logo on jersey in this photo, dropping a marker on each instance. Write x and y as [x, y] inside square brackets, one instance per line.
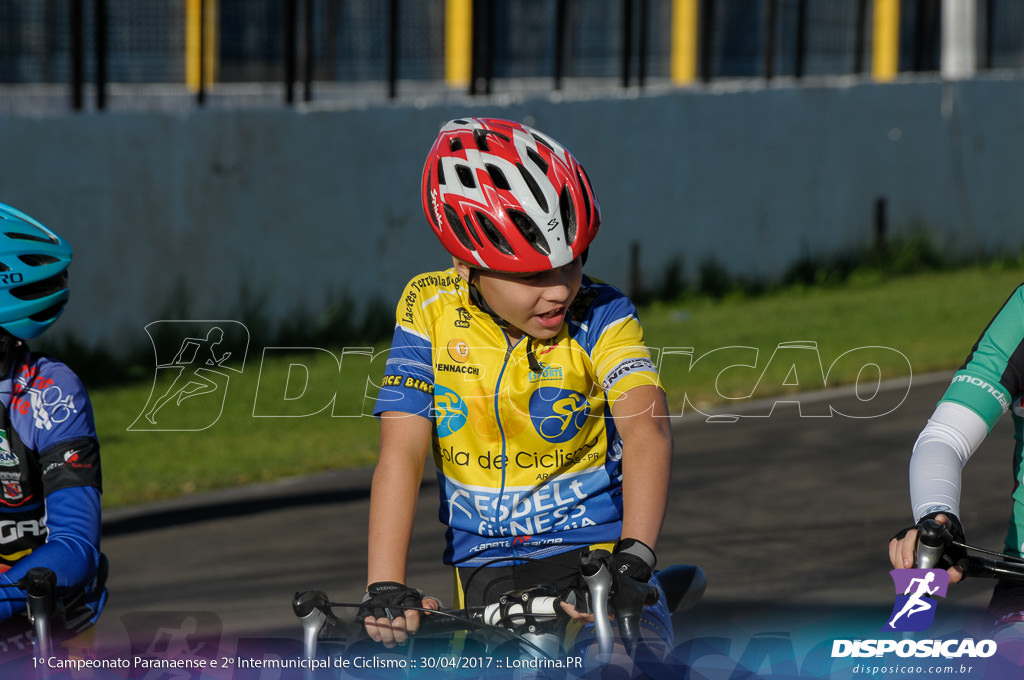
[915, 607]
[193, 360]
[558, 415]
[450, 411]
[50, 406]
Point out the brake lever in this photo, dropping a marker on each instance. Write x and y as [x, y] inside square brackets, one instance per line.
[594, 567]
[933, 539]
[313, 611]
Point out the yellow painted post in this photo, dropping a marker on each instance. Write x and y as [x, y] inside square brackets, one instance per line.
[195, 30]
[885, 52]
[458, 47]
[685, 36]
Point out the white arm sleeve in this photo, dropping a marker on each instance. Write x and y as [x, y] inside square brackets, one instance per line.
[952, 435]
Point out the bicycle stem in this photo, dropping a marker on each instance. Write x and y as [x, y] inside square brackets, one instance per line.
[40, 586]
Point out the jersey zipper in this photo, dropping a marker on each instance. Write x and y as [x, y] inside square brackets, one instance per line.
[509, 348]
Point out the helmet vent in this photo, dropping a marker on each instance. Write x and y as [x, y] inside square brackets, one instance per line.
[19, 236]
[493, 234]
[536, 158]
[568, 216]
[440, 172]
[534, 188]
[4, 267]
[455, 144]
[465, 176]
[584, 183]
[40, 289]
[47, 314]
[541, 140]
[480, 136]
[530, 231]
[456, 226]
[37, 260]
[498, 177]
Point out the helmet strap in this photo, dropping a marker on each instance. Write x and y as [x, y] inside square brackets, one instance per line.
[477, 298]
[8, 353]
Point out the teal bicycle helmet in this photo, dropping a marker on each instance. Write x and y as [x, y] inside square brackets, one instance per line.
[33, 274]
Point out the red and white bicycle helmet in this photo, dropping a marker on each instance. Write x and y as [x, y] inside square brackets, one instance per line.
[501, 195]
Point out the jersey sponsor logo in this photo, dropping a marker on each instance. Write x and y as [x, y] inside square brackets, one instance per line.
[46, 401]
[11, 530]
[556, 506]
[549, 373]
[558, 415]
[12, 494]
[7, 458]
[555, 461]
[464, 317]
[995, 392]
[407, 381]
[458, 350]
[626, 367]
[457, 368]
[451, 410]
[74, 459]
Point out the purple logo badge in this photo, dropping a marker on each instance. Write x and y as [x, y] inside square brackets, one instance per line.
[915, 605]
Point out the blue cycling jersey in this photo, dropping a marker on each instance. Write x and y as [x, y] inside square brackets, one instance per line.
[49, 481]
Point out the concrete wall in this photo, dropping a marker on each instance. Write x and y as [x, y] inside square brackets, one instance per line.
[174, 216]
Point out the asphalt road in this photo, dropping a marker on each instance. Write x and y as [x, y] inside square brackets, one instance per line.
[789, 516]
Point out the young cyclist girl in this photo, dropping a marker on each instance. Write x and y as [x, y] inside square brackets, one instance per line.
[528, 382]
[990, 383]
[49, 454]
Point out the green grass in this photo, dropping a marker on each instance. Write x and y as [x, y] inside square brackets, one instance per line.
[927, 322]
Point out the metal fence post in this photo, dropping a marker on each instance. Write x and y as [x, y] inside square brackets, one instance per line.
[76, 25]
[100, 28]
[561, 24]
[393, 23]
[290, 23]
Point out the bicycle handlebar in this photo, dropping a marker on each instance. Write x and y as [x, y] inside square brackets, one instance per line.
[934, 540]
[623, 597]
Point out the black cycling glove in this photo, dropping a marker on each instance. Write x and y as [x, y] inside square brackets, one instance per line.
[388, 599]
[633, 559]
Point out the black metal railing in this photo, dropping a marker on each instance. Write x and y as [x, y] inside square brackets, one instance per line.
[303, 45]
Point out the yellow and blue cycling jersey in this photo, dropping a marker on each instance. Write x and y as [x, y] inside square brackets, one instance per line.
[528, 458]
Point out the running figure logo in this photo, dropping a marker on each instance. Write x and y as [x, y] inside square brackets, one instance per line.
[197, 371]
[915, 607]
